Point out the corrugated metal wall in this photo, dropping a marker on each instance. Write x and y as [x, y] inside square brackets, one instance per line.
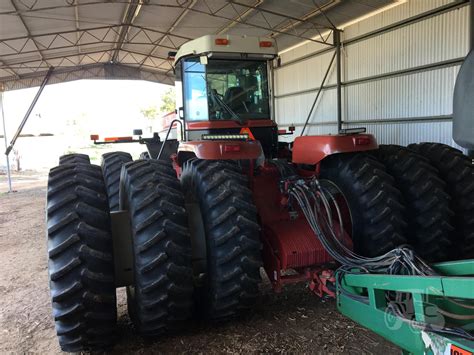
[399, 83]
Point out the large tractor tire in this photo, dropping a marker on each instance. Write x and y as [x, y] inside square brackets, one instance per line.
[111, 168]
[217, 196]
[81, 268]
[161, 297]
[428, 210]
[74, 158]
[457, 171]
[375, 205]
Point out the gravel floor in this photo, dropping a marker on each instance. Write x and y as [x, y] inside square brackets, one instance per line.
[293, 321]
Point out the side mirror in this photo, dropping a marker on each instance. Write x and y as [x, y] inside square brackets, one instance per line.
[137, 132]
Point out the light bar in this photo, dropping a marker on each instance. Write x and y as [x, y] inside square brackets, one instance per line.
[353, 130]
[224, 137]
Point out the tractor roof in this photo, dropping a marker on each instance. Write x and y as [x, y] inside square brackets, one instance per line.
[228, 44]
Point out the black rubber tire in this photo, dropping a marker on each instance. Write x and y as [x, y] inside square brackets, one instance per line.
[232, 237]
[81, 268]
[74, 158]
[144, 155]
[377, 211]
[111, 168]
[162, 295]
[457, 171]
[428, 210]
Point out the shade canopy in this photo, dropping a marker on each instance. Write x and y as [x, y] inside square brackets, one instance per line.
[131, 39]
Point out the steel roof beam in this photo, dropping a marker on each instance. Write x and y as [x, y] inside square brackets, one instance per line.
[208, 12]
[28, 32]
[239, 16]
[170, 29]
[271, 12]
[11, 63]
[130, 14]
[318, 11]
[90, 32]
[241, 21]
[76, 16]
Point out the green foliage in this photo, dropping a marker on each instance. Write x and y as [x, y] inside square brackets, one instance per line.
[168, 104]
[168, 101]
[150, 112]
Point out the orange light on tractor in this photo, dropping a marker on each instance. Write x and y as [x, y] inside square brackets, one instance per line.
[266, 44]
[94, 137]
[221, 41]
[117, 139]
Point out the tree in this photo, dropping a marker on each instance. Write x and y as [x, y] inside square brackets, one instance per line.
[168, 104]
[168, 101]
[150, 112]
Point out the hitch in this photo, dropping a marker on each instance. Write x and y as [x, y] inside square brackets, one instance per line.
[442, 316]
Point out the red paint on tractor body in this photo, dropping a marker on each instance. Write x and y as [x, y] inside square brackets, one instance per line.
[289, 243]
[222, 149]
[312, 149]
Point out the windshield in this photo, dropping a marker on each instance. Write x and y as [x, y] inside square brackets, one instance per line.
[225, 89]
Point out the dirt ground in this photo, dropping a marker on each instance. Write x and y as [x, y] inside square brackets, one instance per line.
[293, 321]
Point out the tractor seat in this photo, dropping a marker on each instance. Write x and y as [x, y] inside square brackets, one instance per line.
[235, 98]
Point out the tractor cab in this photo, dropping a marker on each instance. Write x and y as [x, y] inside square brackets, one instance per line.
[223, 89]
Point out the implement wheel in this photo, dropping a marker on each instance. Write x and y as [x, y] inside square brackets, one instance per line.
[111, 168]
[161, 297]
[225, 236]
[81, 268]
[457, 171]
[375, 206]
[74, 158]
[429, 213]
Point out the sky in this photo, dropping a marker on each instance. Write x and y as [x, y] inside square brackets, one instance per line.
[72, 111]
[103, 106]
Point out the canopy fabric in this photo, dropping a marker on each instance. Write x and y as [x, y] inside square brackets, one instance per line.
[131, 39]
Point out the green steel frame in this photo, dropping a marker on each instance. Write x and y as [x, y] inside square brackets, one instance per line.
[362, 297]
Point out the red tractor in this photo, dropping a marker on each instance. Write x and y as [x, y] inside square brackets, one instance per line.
[220, 196]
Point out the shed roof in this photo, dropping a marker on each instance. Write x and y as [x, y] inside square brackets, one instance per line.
[130, 39]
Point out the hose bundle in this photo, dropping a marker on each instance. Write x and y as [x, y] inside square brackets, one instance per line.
[318, 205]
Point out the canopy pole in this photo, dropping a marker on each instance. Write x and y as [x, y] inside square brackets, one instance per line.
[2, 112]
[27, 114]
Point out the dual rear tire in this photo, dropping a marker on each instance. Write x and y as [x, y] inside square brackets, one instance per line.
[161, 296]
[457, 171]
[375, 204]
[81, 269]
[225, 237]
[421, 196]
[81, 263]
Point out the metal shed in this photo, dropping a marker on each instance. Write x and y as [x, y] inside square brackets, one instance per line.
[397, 62]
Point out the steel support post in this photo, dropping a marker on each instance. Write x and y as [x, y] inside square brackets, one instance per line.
[321, 87]
[2, 112]
[337, 44]
[470, 153]
[27, 114]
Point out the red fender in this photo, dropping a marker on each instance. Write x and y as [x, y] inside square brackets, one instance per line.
[312, 149]
[221, 149]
